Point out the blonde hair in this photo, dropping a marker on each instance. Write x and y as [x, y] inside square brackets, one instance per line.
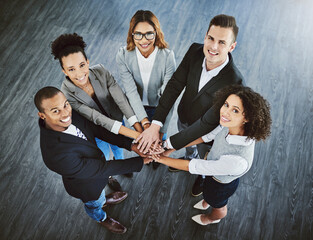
[149, 17]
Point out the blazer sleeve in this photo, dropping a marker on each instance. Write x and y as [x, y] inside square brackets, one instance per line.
[71, 165]
[202, 126]
[115, 139]
[118, 96]
[170, 69]
[173, 88]
[90, 113]
[129, 85]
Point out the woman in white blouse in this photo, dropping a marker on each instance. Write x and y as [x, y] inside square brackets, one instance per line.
[145, 66]
[244, 119]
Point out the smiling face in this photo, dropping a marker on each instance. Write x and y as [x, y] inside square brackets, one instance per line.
[232, 115]
[76, 67]
[57, 112]
[218, 42]
[145, 46]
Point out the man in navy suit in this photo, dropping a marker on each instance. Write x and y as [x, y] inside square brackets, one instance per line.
[205, 69]
[68, 147]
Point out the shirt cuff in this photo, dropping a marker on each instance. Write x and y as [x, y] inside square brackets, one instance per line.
[157, 123]
[132, 120]
[116, 127]
[192, 166]
[168, 144]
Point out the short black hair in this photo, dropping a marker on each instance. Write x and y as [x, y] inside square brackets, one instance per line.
[67, 44]
[225, 21]
[44, 93]
[256, 110]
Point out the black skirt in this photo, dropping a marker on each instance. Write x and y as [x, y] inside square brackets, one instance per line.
[216, 194]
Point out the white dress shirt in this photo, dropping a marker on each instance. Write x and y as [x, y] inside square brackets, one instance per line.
[206, 75]
[75, 131]
[145, 67]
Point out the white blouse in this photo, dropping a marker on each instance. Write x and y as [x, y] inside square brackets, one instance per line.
[145, 67]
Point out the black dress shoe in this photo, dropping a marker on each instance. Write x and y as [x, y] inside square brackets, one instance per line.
[197, 188]
[114, 185]
[129, 175]
[155, 165]
[115, 198]
[113, 225]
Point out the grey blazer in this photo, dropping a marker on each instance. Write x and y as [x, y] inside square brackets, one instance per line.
[162, 71]
[109, 94]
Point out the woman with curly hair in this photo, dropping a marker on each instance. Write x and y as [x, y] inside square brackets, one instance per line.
[145, 66]
[94, 93]
[244, 119]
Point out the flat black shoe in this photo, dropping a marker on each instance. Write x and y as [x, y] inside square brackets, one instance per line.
[129, 175]
[155, 165]
[114, 185]
[197, 188]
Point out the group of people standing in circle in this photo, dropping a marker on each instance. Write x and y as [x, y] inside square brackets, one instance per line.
[219, 119]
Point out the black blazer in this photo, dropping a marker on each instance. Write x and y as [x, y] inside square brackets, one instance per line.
[194, 104]
[81, 163]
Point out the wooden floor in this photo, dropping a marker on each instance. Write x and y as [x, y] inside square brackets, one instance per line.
[274, 53]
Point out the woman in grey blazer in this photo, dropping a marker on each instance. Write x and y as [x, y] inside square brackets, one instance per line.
[145, 66]
[93, 92]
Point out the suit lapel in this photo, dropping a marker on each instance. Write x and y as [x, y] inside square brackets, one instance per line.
[100, 91]
[133, 64]
[80, 94]
[196, 72]
[207, 86]
[215, 79]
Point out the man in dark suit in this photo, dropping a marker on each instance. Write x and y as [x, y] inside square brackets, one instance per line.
[68, 147]
[204, 69]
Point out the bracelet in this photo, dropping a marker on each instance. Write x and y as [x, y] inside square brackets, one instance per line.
[145, 122]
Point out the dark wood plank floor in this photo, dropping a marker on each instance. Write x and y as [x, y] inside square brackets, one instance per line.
[274, 200]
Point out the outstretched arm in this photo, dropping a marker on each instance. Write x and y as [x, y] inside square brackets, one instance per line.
[172, 162]
[128, 132]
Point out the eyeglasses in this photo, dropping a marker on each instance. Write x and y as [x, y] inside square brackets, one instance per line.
[148, 35]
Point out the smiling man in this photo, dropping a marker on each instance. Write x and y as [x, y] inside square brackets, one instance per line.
[205, 69]
[68, 147]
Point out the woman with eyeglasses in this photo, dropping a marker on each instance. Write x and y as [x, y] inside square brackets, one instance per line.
[145, 66]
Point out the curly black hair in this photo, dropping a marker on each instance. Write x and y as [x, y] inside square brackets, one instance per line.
[256, 110]
[67, 44]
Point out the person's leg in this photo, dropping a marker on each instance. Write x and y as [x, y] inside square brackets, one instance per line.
[94, 208]
[104, 147]
[216, 195]
[191, 152]
[95, 211]
[119, 155]
[197, 188]
[215, 214]
[117, 152]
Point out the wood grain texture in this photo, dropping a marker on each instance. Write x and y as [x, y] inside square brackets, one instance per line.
[274, 199]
